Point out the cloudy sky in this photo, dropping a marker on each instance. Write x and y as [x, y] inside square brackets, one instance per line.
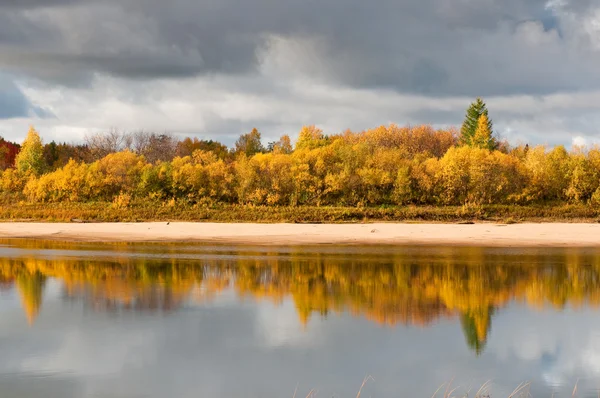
[217, 68]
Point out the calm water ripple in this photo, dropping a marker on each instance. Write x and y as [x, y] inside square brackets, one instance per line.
[181, 320]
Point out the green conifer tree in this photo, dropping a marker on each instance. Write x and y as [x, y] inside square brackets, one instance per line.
[469, 126]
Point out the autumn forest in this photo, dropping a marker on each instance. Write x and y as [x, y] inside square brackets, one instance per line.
[388, 166]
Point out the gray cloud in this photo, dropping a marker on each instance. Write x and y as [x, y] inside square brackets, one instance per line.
[217, 68]
[432, 47]
[28, 4]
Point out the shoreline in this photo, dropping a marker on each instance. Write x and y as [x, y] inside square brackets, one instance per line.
[481, 234]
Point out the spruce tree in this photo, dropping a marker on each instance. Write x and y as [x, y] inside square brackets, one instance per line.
[474, 112]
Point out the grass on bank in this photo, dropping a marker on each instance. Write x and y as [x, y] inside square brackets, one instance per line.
[148, 210]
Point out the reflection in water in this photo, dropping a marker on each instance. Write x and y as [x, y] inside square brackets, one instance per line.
[401, 286]
[31, 286]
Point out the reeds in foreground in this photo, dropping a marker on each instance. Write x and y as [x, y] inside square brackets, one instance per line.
[523, 390]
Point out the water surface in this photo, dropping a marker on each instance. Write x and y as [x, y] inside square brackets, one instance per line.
[177, 320]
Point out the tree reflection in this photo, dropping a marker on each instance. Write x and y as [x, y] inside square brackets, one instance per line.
[392, 289]
[31, 287]
[476, 325]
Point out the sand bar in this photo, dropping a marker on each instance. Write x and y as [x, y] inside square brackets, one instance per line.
[484, 234]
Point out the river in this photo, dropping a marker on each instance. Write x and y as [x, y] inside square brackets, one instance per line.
[190, 320]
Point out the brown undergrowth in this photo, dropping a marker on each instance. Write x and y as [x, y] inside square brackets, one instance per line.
[135, 210]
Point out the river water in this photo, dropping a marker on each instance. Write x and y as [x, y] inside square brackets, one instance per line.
[181, 320]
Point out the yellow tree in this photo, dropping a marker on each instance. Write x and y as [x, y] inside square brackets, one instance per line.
[311, 137]
[283, 146]
[483, 135]
[31, 156]
[249, 144]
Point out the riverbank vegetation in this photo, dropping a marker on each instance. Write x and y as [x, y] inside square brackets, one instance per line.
[385, 173]
[156, 210]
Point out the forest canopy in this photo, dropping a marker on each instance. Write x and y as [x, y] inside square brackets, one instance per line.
[387, 165]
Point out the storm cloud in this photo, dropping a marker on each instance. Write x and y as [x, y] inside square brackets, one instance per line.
[451, 50]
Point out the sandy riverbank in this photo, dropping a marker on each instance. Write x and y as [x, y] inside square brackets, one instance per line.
[545, 234]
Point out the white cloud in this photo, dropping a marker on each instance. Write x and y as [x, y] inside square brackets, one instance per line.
[278, 325]
[224, 107]
[561, 345]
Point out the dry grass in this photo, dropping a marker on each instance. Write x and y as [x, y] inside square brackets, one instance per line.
[146, 210]
[523, 390]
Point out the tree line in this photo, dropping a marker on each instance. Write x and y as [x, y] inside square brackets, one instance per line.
[387, 165]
